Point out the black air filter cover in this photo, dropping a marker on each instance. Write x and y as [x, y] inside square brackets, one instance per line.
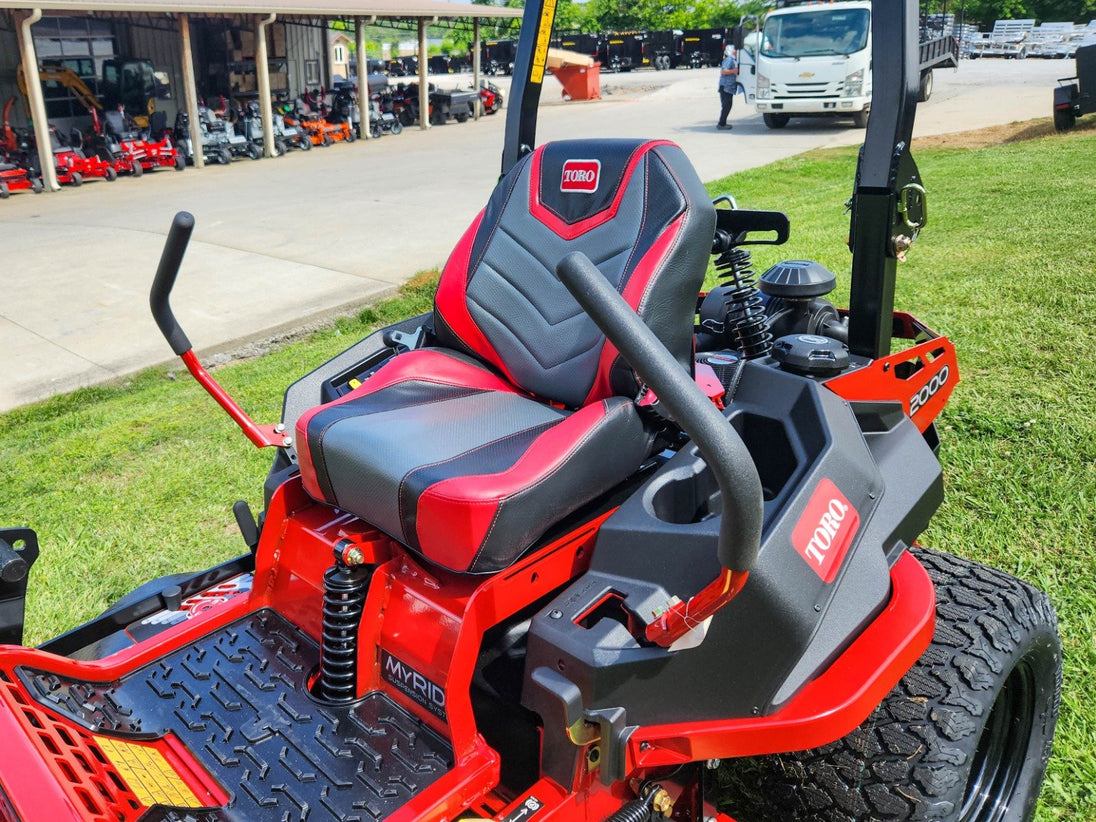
[798, 280]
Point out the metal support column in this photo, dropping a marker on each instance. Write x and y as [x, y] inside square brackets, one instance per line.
[424, 86]
[476, 63]
[364, 96]
[38, 102]
[190, 89]
[262, 69]
[886, 177]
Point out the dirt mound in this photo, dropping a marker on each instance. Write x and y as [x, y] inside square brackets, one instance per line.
[1002, 134]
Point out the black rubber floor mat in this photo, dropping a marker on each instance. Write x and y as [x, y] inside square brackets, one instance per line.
[237, 698]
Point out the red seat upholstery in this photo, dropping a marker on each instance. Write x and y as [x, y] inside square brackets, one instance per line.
[468, 451]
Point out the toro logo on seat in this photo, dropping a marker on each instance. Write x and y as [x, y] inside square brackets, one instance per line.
[580, 176]
[825, 531]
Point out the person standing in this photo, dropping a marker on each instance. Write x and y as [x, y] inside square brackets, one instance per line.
[728, 85]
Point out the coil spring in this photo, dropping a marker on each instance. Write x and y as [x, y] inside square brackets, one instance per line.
[343, 602]
[637, 811]
[745, 316]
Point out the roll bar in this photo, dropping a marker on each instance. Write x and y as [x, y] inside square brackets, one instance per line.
[888, 202]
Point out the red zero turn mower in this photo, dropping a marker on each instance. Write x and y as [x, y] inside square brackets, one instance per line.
[551, 552]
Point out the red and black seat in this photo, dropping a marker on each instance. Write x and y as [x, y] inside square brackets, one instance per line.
[469, 450]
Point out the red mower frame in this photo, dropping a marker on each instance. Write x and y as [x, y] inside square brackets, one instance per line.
[751, 592]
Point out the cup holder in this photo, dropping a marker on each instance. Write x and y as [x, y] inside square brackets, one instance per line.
[688, 493]
[685, 495]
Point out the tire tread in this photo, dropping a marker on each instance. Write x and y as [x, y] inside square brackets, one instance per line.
[900, 764]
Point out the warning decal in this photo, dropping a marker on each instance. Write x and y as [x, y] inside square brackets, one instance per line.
[148, 774]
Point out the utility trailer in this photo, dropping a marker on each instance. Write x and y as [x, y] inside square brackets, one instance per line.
[587, 45]
[1054, 40]
[939, 52]
[1076, 96]
[621, 50]
[1010, 39]
[662, 49]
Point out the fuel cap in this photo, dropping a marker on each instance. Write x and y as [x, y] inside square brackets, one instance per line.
[811, 355]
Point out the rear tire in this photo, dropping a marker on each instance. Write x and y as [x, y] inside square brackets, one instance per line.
[964, 737]
[775, 120]
[254, 151]
[1064, 119]
[924, 88]
[224, 156]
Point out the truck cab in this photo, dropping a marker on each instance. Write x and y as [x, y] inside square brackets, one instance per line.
[815, 60]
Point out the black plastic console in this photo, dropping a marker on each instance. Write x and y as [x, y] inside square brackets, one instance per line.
[788, 622]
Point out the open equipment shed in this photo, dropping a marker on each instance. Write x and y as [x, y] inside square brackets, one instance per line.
[165, 29]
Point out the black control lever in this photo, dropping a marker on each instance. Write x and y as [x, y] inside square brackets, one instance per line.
[178, 236]
[720, 446]
[159, 300]
[719, 443]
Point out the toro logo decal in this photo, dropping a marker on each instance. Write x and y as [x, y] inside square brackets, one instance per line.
[581, 176]
[825, 531]
[413, 684]
[929, 390]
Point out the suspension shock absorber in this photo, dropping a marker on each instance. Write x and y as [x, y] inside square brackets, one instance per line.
[344, 587]
[745, 317]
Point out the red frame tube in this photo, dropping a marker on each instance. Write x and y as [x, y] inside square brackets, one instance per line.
[261, 435]
[829, 707]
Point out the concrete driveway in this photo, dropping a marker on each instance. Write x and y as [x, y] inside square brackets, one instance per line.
[281, 243]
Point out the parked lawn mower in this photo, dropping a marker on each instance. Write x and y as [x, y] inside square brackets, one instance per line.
[382, 122]
[547, 553]
[144, 150]
[222, 131]
[74, 165]
[15, 177]
[311, 114]
[249, 117]
[16, 173]
[220, 142]
[490, 97]
[212, 150]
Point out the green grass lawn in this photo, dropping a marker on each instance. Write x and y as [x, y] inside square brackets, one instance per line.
[125, 483]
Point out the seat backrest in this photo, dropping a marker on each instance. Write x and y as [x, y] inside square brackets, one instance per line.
[115, 123]
[636, 208]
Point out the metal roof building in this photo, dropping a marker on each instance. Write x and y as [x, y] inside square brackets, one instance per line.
[176, 32]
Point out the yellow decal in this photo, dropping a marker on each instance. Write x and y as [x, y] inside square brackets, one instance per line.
[148, 774]
[544, 34]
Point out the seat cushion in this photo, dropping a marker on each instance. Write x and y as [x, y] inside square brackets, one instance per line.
[450, 459]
